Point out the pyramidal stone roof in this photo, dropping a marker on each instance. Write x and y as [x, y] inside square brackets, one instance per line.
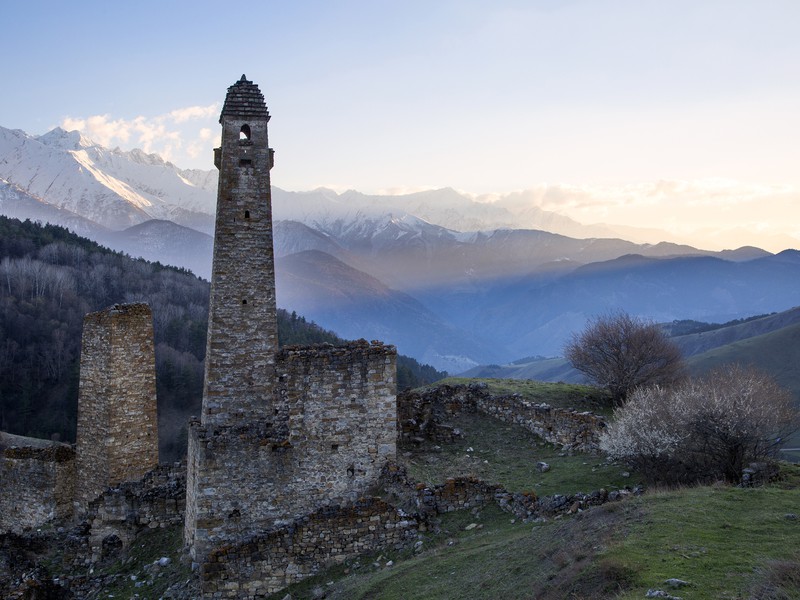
[244, 99]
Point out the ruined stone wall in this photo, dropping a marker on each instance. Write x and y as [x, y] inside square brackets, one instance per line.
[268, 562]
[157, 500]
[117, 434]
[425, 413]
[342, 408]
[36, 485]
[334, 430]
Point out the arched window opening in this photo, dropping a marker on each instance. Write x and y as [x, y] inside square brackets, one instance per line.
[244, 132]
[247, 214]
[244, 301]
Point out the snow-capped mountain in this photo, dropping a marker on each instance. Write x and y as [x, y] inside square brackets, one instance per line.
[455, 280]
[19, 204]
[112, 188]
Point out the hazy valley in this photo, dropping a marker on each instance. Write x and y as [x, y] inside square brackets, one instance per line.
[451, 281]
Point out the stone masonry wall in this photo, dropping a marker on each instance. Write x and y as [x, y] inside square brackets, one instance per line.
[37, 485]
[334, 430]
[242, 323]
[156, 501]
[425, 413]
[265, 563]
[117, 435]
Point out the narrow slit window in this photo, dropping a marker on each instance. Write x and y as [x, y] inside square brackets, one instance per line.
[245, 162]
[247, 214]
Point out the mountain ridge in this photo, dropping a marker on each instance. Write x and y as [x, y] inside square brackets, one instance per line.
[510, 291]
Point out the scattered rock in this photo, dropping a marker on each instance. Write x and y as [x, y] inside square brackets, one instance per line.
[790, 516]
[661, 594]
[318, 593]
[676, 583]
[542, 467]
[164, 561]
[470, 526]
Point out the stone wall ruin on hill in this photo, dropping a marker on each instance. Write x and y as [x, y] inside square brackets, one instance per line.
[332, 431]
[424, 413]
[38, 482]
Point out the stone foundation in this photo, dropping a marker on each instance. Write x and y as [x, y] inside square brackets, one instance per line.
[267, 562]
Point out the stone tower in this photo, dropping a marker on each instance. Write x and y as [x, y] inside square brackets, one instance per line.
[242, 325]
[286, 433]
[117, 437]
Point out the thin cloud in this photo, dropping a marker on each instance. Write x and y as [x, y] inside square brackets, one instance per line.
[101, 129]
[173, 135]
[191, 113]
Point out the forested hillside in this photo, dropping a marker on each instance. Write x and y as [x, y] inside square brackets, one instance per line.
[50, 278]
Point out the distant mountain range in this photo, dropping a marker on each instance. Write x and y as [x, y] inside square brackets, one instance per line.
[452, 281]
[770, 343]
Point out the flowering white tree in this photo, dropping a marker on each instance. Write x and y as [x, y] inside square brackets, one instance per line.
[702, 429]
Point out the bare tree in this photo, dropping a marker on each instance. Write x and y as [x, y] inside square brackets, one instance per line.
[704, 429]
[620, 353]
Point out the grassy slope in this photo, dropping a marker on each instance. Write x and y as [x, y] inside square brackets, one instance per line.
[720, 540]
[507, 454]
[543, 369]
[777, 353]
[727, 542]
[563, 395]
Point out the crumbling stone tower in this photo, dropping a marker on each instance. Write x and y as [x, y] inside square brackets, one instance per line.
[242, 324]
[117, 437]
[283, 432]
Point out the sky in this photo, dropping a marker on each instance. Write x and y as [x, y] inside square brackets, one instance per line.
[677, 114]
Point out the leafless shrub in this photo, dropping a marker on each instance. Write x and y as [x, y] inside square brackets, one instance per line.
[620, 353]
[778, 580]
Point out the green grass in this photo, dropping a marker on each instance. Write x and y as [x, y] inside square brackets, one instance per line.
[729, 543]
[562, 395]
[716, 538]
[776, 353]
[507, 454]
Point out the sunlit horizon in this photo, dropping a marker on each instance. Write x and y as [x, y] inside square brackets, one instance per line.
[628, 113]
